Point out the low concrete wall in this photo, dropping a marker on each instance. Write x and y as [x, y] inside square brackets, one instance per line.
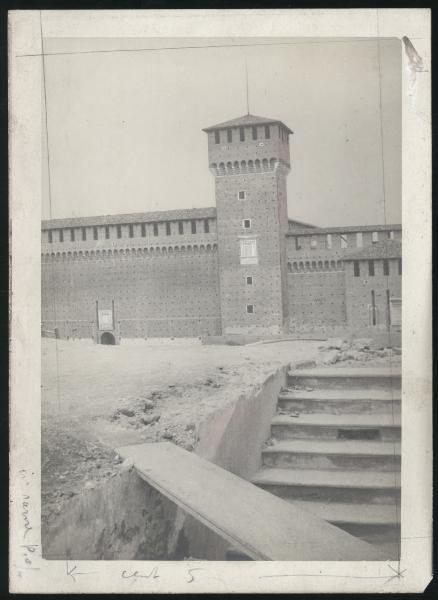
[128, 519]
[233, 438]
[124, 519]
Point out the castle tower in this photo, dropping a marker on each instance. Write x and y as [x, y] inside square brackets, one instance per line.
[249, 158]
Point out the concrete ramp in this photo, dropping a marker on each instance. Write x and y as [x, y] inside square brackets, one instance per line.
[257, 523]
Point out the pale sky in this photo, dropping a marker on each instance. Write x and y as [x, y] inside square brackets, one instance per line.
[125, 128]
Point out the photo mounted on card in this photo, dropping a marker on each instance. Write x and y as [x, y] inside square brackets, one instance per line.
[221, 357]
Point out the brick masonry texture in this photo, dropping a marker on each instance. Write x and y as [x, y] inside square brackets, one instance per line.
[179, 273]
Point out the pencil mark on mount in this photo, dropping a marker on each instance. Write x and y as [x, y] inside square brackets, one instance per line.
[192, 577]
[137, 575]
[72, 572]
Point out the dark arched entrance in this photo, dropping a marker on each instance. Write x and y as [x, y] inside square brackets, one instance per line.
[107, 338]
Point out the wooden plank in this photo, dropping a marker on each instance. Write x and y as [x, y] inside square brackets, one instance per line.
[254, 521]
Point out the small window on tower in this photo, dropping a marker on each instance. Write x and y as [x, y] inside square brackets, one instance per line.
[254, 133]
[267, 132]
[250, 309]
[217, 138]
[107, 232]
[241, 195]
[167, 228]
[242, 134]
[399, 266]
[229, 135]
[95, 233]
[155, 229]
[246, 223]
[180, 227]
[193, 225]
[206, 226]
[249, 280]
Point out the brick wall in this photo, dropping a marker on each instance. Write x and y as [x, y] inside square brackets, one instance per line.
[358, 293]
[316, 299]
[158, 292]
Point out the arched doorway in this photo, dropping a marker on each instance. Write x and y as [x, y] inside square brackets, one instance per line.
[107, 338]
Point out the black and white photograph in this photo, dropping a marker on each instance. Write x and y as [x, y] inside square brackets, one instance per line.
[221, 291]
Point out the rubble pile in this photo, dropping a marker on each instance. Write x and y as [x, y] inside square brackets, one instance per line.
[361, 350]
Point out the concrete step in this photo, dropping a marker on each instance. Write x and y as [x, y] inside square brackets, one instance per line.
[351, 514]
[342, 378]
[363, 487]
[333, 454]
[324, 426]
[355, 401]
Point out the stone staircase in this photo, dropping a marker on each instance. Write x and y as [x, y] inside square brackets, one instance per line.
[335, 450]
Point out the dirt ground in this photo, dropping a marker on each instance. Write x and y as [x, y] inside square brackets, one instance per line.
[96, 398]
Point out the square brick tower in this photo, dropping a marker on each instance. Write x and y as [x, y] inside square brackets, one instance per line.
[249, 158]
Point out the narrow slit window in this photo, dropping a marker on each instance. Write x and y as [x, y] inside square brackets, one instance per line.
[50, 237]
[95, 233]
[246, 223]
[84, 234]
[254, 133]
[267, 132]
[229, 136]
[72, 235]
[297, 243]
[119, 231]
[206, 226]
[107, 232]
[167, 228]
[250, 309]
[131, 230]
[217, 138]
[242, 134]
[388, 307]
[180, 227]
[371, 268]
[143, 230]
[386, 267]
[193, 226]
[61, 235]
[399, 266]
[155, 229]
[373, 308]
[356, 267]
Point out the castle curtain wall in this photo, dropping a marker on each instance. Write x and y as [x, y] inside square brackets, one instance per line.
[157, 292]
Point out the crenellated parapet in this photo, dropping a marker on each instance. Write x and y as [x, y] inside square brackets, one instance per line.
[131, 252]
